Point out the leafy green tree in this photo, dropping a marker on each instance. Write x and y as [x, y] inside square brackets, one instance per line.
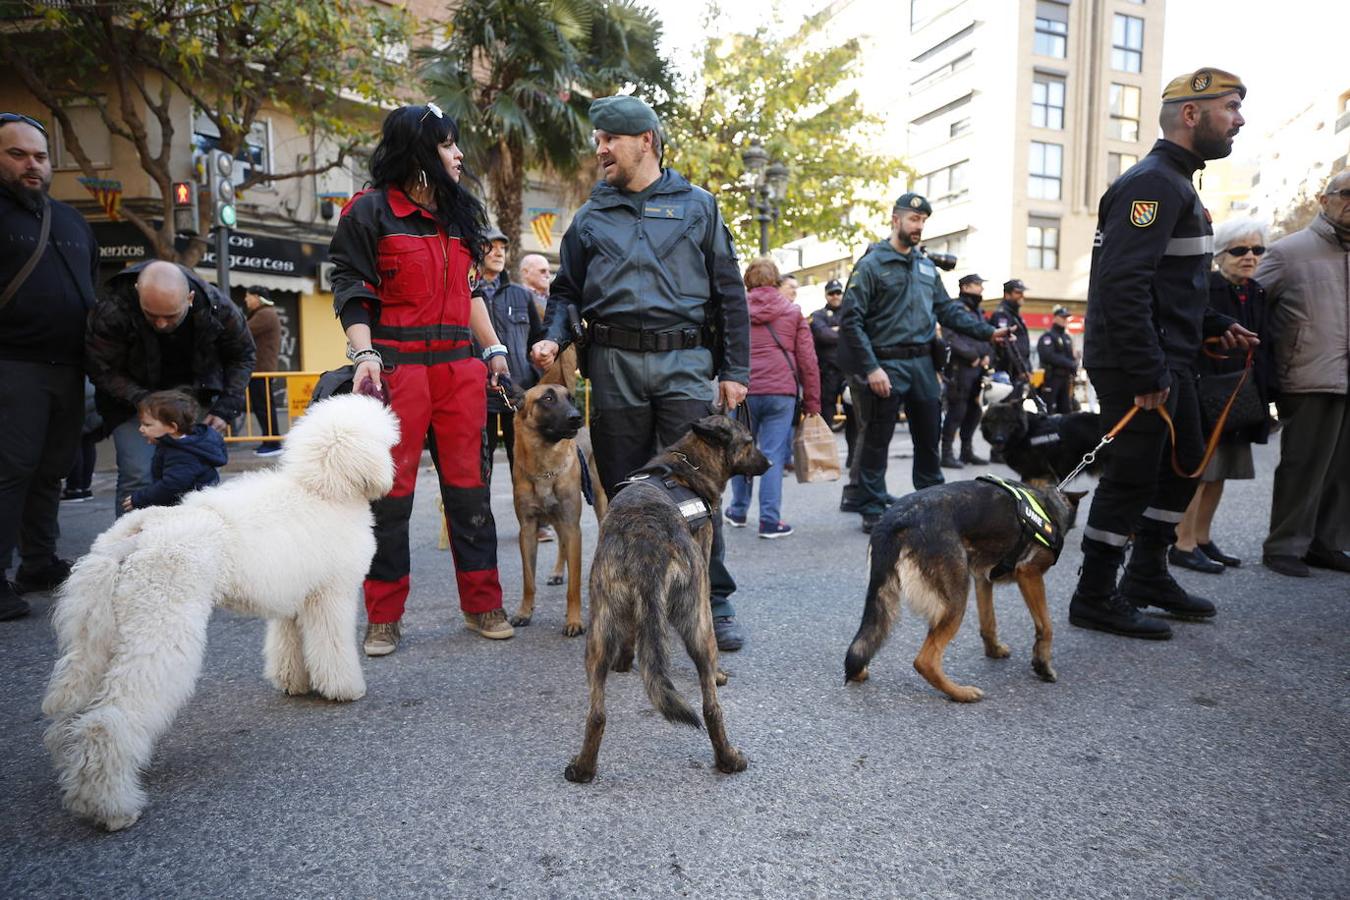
[519, 76]
[329, 63]
[793, 95]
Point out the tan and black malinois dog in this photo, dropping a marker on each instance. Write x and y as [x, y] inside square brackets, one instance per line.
[546, 484]
[651, 569]
[929, 545]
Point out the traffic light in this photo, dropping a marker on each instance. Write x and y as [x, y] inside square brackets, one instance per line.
[220, 181]
[185, 209]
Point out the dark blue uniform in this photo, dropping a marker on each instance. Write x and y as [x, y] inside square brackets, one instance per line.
[1148, 299]
[1054, 351]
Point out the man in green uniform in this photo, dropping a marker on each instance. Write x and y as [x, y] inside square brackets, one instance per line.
[891, 306]
[650, 266]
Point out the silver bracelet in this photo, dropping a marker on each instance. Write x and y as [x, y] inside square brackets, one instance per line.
[358, 356]
[494, 350]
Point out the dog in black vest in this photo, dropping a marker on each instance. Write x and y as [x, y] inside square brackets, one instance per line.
[1039, 446]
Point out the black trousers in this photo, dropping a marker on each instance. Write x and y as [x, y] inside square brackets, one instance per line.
[42, 408]
[505, 420]
[261, 398]
[1057, 393]
[1139, 493]
[877, 415]
[625, 439]
[963, 406]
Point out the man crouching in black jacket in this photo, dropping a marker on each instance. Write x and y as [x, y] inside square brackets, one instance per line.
[162, 327]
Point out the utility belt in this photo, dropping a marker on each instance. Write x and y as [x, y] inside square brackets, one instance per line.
[902, 351]
[397, 356]
[643, 341]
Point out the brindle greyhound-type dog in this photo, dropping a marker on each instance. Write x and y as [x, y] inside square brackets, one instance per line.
[546, 487]
[651, 569]
[927, 547]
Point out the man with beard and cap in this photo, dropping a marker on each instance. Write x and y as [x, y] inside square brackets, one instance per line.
[825, 334]
[892, 305]
[1056, 355]
[649, 266]
[965, 371]
[48, 270]
[1148, 312]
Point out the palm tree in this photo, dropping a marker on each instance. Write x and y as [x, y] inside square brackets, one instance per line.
[519, 75]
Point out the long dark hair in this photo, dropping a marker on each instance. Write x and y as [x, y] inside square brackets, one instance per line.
[407, 147]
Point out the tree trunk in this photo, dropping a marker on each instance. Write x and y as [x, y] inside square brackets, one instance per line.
[508, 185]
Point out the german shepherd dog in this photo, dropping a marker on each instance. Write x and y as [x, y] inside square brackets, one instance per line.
[546, 484]
[1038, 446]
[927, 547]
[650, 570]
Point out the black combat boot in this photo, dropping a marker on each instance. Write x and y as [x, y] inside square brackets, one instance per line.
[949, 460]
[1146, 581]
[850, 500]
[969, 458]
[1097, 605]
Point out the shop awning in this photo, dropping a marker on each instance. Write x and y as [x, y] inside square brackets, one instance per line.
[263, 279]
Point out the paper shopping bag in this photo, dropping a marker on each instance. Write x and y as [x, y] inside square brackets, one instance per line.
[815, 455]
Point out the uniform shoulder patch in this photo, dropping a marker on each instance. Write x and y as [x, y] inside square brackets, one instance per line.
[1143, 213]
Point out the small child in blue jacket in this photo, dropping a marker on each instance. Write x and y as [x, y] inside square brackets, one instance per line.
[186, 454]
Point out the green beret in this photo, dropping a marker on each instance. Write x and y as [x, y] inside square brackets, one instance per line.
[623, 114]
[915, 203]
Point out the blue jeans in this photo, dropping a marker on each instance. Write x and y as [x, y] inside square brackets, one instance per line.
[771, 421]
[134, 455]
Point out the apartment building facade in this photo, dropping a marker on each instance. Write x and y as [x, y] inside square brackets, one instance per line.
[1021, 113]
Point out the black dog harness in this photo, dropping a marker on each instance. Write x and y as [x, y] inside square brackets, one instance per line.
[1033, 521]
[1043, 430]
[692, 507]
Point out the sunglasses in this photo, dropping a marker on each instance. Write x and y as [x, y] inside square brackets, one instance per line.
[432, 109]
[1243, 251]
[6, 118]
[1343, 193]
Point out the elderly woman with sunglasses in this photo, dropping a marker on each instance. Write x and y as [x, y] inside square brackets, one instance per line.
[1239, 246]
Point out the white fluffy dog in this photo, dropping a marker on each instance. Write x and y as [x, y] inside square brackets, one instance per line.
[291, 544]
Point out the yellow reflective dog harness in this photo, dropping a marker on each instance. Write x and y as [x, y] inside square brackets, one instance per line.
[1035, 524]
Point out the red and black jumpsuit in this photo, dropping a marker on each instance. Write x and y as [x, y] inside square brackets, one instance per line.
[410, 280]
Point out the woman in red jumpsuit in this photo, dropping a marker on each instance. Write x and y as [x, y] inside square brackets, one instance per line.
[402, 257]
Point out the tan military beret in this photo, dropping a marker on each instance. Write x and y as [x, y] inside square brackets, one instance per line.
[1203, 84]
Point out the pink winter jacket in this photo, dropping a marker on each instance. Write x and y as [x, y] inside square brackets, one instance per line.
[769, 372]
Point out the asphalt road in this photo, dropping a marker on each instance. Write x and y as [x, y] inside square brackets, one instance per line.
[1211, 765]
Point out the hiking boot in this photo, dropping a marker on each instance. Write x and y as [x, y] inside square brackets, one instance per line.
[48, 578]
[1114, 615]
[1194, 560]
[950, 462]
[1286, 565]
[1163, 592]
[1335, 560]
[1212, 550]
[381, 638]
[730, 638]
[969, 458]
[12, 606]
[491, 624]
[734, 520]
[776, 530]
[545, 534]
[271, 449]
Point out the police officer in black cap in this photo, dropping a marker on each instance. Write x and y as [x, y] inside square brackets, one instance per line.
[964, 375]
[825, 333]
[1056, 355]
[1148, 299]
[1014, 357]
[650, 267]
[892, 305]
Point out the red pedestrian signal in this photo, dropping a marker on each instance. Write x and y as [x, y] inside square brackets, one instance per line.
[182, 194]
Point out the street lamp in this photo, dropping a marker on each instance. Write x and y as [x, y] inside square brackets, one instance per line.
[768, 188]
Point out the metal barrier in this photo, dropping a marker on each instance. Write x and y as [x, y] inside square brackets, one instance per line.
[299, 390]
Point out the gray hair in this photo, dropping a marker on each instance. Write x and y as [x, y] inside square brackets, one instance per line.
[1229, 232]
